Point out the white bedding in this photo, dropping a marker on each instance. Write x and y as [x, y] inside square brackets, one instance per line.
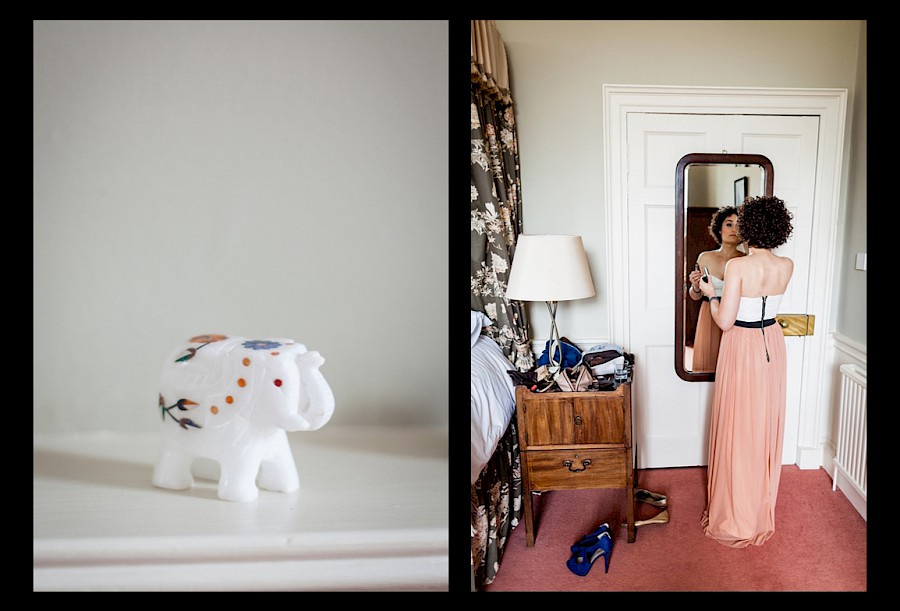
[493, 400]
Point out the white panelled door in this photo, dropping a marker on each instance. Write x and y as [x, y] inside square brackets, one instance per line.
[672, 415]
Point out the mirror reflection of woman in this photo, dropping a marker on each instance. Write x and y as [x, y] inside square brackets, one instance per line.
[723, 228]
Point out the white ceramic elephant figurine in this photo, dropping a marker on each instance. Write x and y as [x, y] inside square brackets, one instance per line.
[231, 399]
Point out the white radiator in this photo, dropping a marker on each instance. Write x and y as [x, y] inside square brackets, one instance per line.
[850, 462]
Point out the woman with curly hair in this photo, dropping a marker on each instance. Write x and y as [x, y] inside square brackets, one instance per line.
[749, 398]
[723, 228]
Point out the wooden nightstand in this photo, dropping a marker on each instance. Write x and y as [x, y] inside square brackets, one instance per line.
[575, 440]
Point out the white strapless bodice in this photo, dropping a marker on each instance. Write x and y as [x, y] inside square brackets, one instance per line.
[750, 309]
[718, 284]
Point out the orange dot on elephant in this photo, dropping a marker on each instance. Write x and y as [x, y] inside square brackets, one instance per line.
[242, 382]
[229, 399]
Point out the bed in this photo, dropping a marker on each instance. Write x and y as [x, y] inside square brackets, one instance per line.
[496, 472]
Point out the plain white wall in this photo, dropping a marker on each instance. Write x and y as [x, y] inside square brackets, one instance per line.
[252, 178]
[851, 320]
[557, 71]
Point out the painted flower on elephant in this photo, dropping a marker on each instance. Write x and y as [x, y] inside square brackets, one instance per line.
[260, 344]
[205, 339]
[183, 405]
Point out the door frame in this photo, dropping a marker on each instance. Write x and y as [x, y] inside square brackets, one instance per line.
[830, 105]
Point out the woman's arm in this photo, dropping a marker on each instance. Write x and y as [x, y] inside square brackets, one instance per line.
[694, 277]
[724, 311]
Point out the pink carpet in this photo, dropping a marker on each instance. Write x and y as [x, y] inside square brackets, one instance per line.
[819, 542]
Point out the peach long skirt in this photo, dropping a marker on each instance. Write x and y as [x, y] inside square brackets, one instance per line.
[746, 437]
[706, 341]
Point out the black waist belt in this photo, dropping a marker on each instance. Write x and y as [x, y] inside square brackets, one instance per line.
[755, 325]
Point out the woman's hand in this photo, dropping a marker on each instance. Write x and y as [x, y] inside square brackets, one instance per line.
[707, 288]
[695, 280]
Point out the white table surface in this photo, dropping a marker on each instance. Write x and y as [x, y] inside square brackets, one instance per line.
[371, 514]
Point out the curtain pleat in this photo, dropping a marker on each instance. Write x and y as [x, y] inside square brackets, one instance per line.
[490, 70]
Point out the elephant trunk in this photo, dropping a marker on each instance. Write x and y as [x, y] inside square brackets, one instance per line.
[316, 401]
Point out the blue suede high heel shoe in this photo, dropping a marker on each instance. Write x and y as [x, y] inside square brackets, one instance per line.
[591, 538]
[583, 559]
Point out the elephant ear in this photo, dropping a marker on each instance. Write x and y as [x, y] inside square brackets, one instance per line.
[243, 366]
[249, 364]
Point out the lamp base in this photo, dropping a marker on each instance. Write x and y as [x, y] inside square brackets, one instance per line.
[554, 365]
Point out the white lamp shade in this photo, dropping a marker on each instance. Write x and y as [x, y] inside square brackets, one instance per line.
[549, 268]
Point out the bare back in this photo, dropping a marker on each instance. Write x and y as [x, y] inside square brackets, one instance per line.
[760, 273]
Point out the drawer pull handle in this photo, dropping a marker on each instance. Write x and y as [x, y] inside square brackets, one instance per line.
[584, 463]
[578, 420]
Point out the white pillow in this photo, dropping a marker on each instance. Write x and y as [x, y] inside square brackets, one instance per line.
[479, 320]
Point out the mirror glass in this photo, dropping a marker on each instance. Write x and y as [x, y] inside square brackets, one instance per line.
[704, 184]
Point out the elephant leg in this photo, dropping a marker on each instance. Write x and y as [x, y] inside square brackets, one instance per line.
[237, 479]
[278, 471]
[173, 470]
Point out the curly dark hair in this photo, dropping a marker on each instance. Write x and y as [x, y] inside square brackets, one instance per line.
[764, 222]
[715, 224]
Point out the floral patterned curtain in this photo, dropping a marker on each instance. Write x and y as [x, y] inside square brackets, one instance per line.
[496, 206]
[497, 496]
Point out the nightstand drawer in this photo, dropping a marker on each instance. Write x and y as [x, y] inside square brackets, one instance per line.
[576, 469]
[574, 418]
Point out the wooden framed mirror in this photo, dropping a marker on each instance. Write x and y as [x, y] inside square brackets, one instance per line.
[704, 183]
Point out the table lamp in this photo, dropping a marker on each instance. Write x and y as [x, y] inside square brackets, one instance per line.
[550, 268]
